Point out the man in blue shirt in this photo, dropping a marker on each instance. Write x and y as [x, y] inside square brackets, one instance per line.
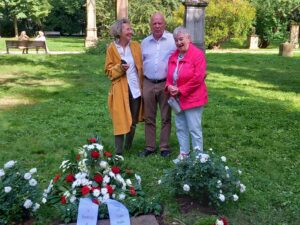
[156, 50]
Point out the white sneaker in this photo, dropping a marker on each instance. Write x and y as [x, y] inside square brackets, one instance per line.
[180, 157]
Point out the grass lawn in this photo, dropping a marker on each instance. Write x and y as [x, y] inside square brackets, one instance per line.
[50, 104]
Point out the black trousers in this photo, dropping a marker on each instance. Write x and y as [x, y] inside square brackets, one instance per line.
[119, 139]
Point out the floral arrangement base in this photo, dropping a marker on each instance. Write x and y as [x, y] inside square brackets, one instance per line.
[139, 220]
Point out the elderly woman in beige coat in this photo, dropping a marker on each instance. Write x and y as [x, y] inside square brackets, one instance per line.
[123, 66]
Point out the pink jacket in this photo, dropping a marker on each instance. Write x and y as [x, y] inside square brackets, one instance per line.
[191, 77]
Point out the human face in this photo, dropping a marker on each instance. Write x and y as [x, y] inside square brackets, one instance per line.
[126, 33]
[182, 42]
[157, 25]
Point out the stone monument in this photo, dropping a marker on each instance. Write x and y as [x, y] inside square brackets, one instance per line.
[286, 49]
[253, 40]
[294, 35]
[194, 21]
[122, 9]
[91, 29]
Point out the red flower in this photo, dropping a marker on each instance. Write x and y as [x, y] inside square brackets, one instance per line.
[95, 154]
[78, 157]
[85, 190]
[92, 140]
[108, 154]
[56, 178]
[115, 169]
[109, 189]
[98, 178]
[96, 201]
[132, 191]
[96, 188]
[70, 178]
[63, 200]
[225, 221]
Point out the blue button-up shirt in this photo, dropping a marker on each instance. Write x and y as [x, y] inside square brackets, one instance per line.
[156, 54]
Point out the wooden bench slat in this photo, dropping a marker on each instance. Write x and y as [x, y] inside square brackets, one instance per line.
[25, 44]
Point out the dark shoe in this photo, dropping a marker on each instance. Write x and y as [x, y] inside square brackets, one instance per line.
[146, 153]
[165, 153]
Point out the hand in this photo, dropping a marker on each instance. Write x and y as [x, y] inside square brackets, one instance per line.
[173, 90]
[125, 66]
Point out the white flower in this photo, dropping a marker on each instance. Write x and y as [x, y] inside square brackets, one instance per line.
[219, 222]
[2, 173]
[27, 176]
[242, 188]
[138, 178]
[32, 182]
[32, 171]
[122, 196]
[36, 207]
[235, 197]
[9, 164]
[203, 157]
[226, 168]
[96, 192]
[210, 149]
[222, 197]
[64, 164]
[7, 189]
[103, 191]
[240, 172]
[103, 164]
[227, 175]
[44, 200]
[128, 182]
[223, 158]
[106, 179]
[72, 199]
[27, 203]
[67, 194]
[159, 181]
[119, 157]
[111, 174]
[186, 188]
[219, 184]
[106, 196]
[98, 146]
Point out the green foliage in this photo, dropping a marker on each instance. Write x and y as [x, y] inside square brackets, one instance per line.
[206, 221]
[204, 177]
[273, 18]
[99, 48]
[226, 19]
[19, 193]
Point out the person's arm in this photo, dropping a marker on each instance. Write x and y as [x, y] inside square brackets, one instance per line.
[112, 69]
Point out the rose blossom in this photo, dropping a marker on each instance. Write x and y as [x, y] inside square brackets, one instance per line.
[115, 169]
[2, 173]
[27, 203]
[132, 191]
[92, 140]
[109, 189]
[63, 200]
[85, 190]
[27, 176]
[98, 178]
[95, 154]
[32, 182]
[103, 164]
[70, 178]
[7, 189]
[186, 188]
[9, 164]
[96, 192]
[108, 154]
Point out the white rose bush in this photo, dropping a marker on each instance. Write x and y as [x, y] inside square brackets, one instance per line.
[205, 177]
[97, 174]
[19, 193]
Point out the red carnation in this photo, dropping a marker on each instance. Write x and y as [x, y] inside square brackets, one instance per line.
[56, 178]
[85, 190]
[63, 200]
[96, 201]
[132, 191]
[98, 178]
[92, 140]
[70, 178]
[115, 169]
[109, 189]
[108, 154]
[78, 157]
[95, 154]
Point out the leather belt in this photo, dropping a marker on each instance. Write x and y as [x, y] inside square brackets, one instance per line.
[155, 81]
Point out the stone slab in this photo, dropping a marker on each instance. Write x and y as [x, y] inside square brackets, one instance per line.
[139, 220]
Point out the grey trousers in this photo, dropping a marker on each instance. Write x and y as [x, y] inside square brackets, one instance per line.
[119, 139]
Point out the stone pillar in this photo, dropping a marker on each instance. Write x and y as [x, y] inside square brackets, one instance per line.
[122, 9]
[294, 35]
[286, 49]
[253, 41]
[194, 21]
[91, 29]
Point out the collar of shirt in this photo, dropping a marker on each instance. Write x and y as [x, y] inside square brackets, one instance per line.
[162, 37]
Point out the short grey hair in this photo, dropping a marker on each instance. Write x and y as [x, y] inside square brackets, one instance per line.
[180, 30]
[116, 28]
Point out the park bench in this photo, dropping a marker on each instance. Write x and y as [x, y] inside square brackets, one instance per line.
[26, 44]
[52, 33]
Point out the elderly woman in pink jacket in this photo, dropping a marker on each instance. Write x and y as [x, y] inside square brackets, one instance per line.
[186, 86]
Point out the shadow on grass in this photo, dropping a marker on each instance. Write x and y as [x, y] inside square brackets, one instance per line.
[282, 73]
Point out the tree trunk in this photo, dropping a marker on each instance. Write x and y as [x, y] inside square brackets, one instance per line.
[16, 26]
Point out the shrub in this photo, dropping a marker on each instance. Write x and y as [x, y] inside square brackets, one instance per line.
[100, 47]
